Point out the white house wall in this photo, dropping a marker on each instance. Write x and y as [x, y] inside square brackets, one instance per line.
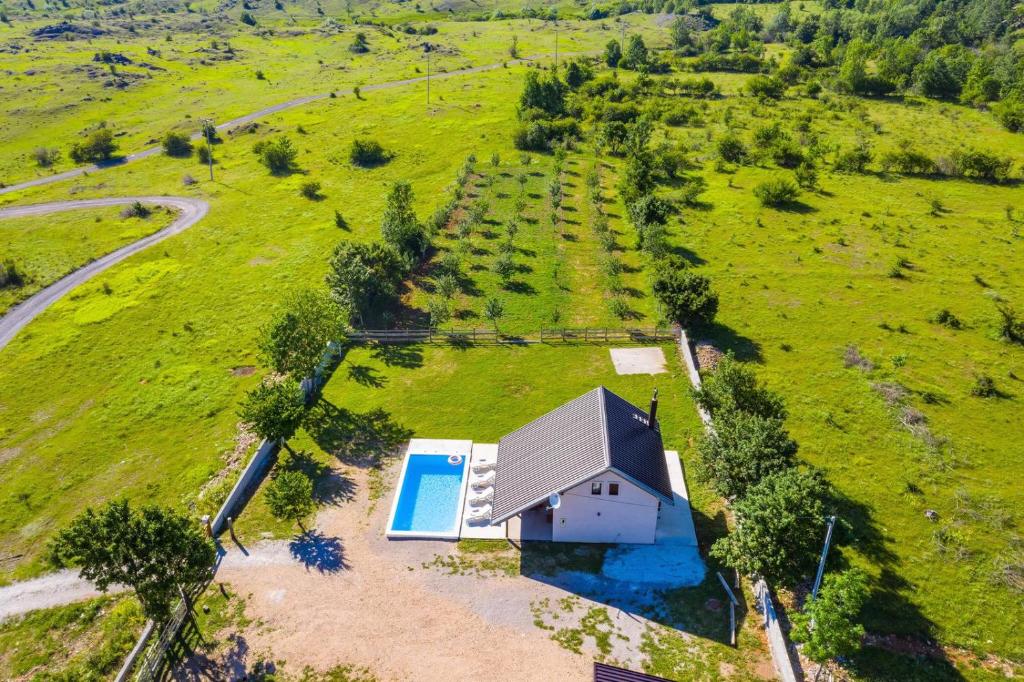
[631, 516]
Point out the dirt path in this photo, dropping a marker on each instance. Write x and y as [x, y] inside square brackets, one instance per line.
[362, 600]
[190, 211]
[241, 120]
[55, 589]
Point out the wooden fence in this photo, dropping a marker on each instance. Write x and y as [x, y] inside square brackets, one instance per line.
[490, 336]
[152, 664]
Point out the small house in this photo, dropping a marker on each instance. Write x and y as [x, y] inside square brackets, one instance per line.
[592, 470]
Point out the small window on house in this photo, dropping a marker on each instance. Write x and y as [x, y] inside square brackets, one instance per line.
[595, 488]
[613, 488]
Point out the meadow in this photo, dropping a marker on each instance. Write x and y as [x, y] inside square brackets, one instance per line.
[48, 248]
[836, 298]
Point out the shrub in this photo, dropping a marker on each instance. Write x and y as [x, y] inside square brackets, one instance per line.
[681, 115]
[504, 267]
[982, 165]
[854, 159]
[339, 220]
[204, 154]
[46, 157]
[248, 19]
[907, 161]
[733, 387]
[731, 148]
[98, 146]
[765, 87]
[540, 136]
[806, 175]
[947, 319]
[359, 45]
[984, 387]
[136, 210]
[11, 276]
[1010, 113]
[177, 144]
[310, 189]
[776, 192]
[367, 153]
[648, 210]
[290, 496]
[399, 226]
[686, 297]
[278, 155]
[1011, 328]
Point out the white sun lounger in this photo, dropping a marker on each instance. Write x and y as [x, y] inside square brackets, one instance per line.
[480, 514]
[482, 499]
[483, 482]
[483, 467]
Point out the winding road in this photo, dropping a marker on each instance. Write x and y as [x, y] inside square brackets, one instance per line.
[190, 210]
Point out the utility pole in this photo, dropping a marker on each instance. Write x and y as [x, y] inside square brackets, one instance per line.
[208, 134]
[824, 554]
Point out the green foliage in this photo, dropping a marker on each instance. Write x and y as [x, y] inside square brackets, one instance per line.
[780, 524]
[494, 310]
[290, 495]
[733, 387]
[46, 156]
[743, 449]
[974, 163]
[828, 625]
[11, 276]
[248, 19]
[544, 93]
[278, 155]
[1011, 327]
[765, 87]
[359, 45]
[295, 340]
[686, 297]
[367, 153]
[854, 159]
[907, 160]
[776, 192]
[152, 550]
[612, 53]
[274, 409]
[730, 148]
[311, 189]
[177, 144]
[984, 387]
[363, 278]
[636, 56]
[99, 146]
[399, 226]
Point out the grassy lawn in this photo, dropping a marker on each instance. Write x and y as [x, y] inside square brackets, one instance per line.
[47, 248]
[87, 640]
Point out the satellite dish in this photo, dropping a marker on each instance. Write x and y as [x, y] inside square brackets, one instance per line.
[554, 500]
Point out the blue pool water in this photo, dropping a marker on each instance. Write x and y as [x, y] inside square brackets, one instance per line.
[428, 500]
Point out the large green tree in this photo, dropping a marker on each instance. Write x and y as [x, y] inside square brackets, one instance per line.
[742, 450]
[153, 550]
[780, 524]
[687, 298]
[363, 278]
[542, 92]
[275, 409]
[295, 340]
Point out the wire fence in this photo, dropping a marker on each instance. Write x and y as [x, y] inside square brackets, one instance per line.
[484, 336]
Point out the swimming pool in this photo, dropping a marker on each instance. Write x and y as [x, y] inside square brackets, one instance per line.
[430, 496]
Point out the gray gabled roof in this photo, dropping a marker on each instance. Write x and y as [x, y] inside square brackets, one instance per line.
[587, 436]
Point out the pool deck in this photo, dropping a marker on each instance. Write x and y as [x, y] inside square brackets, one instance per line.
[484, 454]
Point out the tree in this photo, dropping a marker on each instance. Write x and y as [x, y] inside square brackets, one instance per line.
[682, 35]
[290, 496]
[743, 449]
[545, 93]
[612, 53]
[98, 147]
[765, 87]
[152, 550]
[494, 310]
[295, 340]
[360, 45]
[275, 409]
[686, 297]
[504, 267]
[731, 148]
[364, 277]
[278, 156]
[779, 529]
[636, 56]
[827, 626]
[732, 387]
[177, 144]
[399, 226]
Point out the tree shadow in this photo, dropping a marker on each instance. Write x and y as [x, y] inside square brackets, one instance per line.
[363, 440]
[316, 551]
[726, 338]
[517, 286]
[687, 255]
[191, 663]
[365, 375]
[406, 356]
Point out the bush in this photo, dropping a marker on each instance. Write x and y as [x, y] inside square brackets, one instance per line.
[11, 276]
[136, 210]
[982, 165]
[907, 161]
[204, 154]
[359, 45]
[681, 115]
[984, 387]
[1010, 113]
[540, 136]
[367, 153]
[765, 87]
[1011, 328]
[776, 192]
[310, 189]
[733, 387]
[947, 319]
[648, 210]
[731, 148]
[97, 147]
[278, 156]
[853, 160]
[806, 175]
[177, 144]
[686, 297]
[46, 157]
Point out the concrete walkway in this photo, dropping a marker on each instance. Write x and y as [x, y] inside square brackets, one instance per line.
[191, 211]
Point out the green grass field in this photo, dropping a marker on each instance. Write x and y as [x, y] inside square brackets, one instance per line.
[47, 248]
[133, 391]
